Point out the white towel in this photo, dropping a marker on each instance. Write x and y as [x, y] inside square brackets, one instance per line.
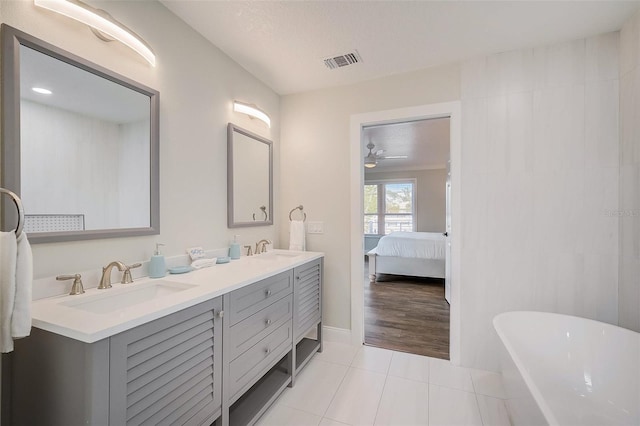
[16, 277]
[8, 257]
[21, 319]
[296, 235]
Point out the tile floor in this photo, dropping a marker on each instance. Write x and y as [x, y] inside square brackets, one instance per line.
[363, 385]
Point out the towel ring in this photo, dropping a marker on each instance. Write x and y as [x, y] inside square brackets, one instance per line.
[304, 215]
[18, 204]
[264, 212]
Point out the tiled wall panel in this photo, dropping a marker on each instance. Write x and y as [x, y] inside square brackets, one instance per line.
[540, 168]
[629, 211]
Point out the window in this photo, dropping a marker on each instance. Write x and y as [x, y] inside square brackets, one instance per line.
[389, 206]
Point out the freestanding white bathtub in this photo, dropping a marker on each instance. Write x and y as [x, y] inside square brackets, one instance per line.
[564, 370]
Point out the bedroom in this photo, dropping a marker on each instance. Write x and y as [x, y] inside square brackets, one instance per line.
[405, 211]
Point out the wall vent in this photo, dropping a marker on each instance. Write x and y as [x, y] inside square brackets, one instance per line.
[340, 61]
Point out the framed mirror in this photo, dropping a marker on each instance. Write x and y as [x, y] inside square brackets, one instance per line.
[249, 179]
[79, 145]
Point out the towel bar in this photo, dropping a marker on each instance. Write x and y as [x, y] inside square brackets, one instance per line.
[18, 204]
[304, 217]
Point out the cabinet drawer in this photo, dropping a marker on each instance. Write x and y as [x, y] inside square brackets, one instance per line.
[251, 330]
[246, 369]
[247, 301]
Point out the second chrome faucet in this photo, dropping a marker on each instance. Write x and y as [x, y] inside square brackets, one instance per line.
[105, 280]
[261, 246]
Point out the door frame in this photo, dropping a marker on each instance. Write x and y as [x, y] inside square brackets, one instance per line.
[422, 112]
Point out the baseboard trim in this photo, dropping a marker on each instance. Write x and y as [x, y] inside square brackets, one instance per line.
[338, 335]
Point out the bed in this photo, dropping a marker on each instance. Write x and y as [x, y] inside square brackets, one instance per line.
[417, 254]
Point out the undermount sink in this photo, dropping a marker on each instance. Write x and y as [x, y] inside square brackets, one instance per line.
[276, 255]
[115, 300]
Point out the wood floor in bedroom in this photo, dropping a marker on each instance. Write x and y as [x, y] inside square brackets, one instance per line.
[407, 314]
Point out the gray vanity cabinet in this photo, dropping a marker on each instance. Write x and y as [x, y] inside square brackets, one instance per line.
[257, 344]
[308, 297]
[169, 371]
[307, 313]
[192, 367]
[53, 380]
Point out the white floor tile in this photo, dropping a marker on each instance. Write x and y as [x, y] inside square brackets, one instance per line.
[493, 411]
[409, 366]
[404, 402]
[338, 353]
[315, 387]
[373, 359]
[448, 406]
[328, 422]
[488, 383]
[281, 415]
[443, 373]
[357, 398]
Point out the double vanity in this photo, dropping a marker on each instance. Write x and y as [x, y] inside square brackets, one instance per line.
[214, 345]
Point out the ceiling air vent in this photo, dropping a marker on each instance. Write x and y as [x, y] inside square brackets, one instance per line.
[339, 61]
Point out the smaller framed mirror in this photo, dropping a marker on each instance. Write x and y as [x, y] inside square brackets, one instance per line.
[249, 179]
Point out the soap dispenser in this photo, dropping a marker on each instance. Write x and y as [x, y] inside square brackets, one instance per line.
[234, 248]
[157, 265]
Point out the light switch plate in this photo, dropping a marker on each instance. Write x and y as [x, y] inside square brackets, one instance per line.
[315, 227]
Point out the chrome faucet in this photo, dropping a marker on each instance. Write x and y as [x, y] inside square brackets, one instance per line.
[126, 277]
[105, 281]
[261, 246]
[77, 283]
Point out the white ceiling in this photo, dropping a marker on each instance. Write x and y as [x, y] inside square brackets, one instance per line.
[283, 43]
[424, 142]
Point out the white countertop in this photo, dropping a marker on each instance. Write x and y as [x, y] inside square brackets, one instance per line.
[53, 315]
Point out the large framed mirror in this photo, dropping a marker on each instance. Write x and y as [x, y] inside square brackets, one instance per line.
[249, 179]
[79, 145]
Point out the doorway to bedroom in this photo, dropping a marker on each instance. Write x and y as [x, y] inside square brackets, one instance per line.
[406, 176]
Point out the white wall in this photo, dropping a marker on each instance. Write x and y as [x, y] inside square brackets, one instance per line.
[133, 174]
[629, 210]
[430, 197]
[197, 85]
[539, 171]
[111, 191]
[316, 170]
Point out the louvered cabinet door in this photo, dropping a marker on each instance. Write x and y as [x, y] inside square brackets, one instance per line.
[307, 297]
[169, 371]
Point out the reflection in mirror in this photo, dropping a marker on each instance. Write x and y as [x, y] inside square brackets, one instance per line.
[86, 163]
[92, 157]
[250, 192]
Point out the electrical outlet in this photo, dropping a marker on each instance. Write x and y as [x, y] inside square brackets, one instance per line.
[315, 227]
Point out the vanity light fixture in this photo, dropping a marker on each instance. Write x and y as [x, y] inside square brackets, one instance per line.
[101, 22]
[41, 90]
[252, 111]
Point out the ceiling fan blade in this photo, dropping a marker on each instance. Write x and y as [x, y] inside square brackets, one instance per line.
[393, 157]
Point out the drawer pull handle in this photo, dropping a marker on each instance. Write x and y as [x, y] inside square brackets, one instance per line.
[267, 293]
[221, 314]
[298, 277]
[267, 350]
[268, 322]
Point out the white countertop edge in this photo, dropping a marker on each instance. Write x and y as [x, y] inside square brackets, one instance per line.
[50, 315]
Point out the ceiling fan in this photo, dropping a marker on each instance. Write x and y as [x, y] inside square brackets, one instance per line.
[371, 159]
